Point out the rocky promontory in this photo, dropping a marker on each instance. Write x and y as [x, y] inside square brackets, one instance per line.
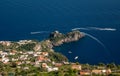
[55, 39]
[38, 58]
[58, 38]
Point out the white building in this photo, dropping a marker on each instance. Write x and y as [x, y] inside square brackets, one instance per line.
[5, 60]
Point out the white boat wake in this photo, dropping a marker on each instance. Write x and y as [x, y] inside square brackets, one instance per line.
[95, 28]
[102, 29]
[94, 38]
[38, 32]
[80, 29]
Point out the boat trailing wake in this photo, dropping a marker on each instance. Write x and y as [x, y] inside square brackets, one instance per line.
[108, 54]
[94, 38]
[39, 32]
[80, 29]
[102, 29]
[95, 28]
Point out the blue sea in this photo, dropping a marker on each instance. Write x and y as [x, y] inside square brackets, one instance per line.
[100, 19]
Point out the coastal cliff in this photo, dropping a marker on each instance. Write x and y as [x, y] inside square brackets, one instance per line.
[57, 38]
[33, 57]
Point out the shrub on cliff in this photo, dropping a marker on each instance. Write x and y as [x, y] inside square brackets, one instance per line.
[27, 47]
[58, 57]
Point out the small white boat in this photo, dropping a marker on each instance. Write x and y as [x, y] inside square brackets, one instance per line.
[76, 57]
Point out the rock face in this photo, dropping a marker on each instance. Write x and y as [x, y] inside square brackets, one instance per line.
[57, 38]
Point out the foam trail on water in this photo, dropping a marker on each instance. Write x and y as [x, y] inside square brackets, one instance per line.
[38, 32]
[95, 29]
[94, 38]
[108, 54]
[102, 29]
[81, 28]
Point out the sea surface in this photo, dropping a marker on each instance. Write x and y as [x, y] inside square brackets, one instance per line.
[35, 19]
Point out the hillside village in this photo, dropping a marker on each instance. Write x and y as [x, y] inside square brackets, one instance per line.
[38, 58]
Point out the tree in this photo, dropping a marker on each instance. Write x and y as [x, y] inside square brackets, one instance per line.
[1, 67]
[101, 64]
[58, 57]
[111, 65]
[77, 63]
[27, 47]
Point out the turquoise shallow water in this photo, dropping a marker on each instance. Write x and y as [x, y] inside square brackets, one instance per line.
[19, 18]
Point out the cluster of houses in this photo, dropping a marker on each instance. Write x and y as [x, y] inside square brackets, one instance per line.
[95, 72]
[37, 59]
[88, 72]
[6, 43]
[42, 60]
[13, 55]
[22, 42]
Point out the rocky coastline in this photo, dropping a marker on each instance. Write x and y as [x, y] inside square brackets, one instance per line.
[36, 58]
[57, 38]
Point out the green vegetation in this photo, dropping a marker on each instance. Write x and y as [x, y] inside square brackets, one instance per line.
[73, 33]
[45, 45]
[114, 74]
[57, 57]
[64, 70]
[1, 47]
[55, 37]
[21, 62]
[27, 47]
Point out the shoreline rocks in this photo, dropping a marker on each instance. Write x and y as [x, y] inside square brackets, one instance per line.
[57, 38]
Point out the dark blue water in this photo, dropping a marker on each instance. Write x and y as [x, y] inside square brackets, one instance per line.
[20, 17]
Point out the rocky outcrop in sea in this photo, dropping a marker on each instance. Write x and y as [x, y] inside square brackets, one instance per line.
[58, 38]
